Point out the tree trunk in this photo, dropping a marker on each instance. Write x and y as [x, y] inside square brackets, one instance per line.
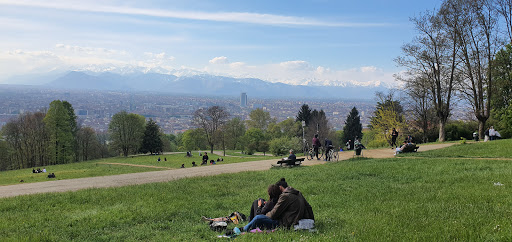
[211, 148]
[481, 129]
[223, 144]
[442, 134]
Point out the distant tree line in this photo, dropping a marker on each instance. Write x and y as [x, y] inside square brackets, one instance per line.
[48, 138]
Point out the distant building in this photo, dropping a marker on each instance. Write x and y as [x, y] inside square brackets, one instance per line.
[243, 100]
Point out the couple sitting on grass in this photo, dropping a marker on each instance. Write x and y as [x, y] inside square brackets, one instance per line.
[286, 207]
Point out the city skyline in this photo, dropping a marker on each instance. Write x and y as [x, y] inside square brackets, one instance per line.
[312, 42]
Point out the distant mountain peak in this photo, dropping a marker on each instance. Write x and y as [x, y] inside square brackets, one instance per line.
[206, 84]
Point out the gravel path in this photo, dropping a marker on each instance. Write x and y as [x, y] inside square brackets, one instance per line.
[169, 175]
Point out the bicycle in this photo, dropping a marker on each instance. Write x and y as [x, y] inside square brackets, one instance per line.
[333, 154]
[311, 153]
[305, 148]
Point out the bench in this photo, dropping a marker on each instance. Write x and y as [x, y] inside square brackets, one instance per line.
[282, 163]
[410, 148]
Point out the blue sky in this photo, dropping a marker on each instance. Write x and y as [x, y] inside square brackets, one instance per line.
[316, 42]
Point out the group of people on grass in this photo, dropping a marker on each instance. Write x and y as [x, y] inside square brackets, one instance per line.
[204, 158]
[38, 170]
[286, 207]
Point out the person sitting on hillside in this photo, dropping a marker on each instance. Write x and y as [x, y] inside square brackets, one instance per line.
[290, 160]
[260, 206]
[193, 163]
[39, 170]
[205, 159]
[44, 170]
[212, 162]
[34, 170]
[182, 166]
[51, 175]
[289, 209]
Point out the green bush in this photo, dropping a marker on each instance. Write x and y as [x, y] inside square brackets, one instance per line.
[455, 130]
[377, 143]
[281, 146]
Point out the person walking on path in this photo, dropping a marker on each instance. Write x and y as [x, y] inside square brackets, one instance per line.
[316, 145]
[394, 135]
[328, 146]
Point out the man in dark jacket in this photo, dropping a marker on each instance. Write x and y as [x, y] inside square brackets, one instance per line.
[316, 145]
[290, 208]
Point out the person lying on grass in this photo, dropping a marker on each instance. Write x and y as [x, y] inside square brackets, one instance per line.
[259, 206]
[290, 208]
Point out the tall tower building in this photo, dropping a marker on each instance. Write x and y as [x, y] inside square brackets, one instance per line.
[243, 100]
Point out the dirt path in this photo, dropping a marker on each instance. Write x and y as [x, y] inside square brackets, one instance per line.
[169, 175]
[125, 164]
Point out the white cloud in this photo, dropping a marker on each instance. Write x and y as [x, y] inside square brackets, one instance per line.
[236, 17]
[219, 60]
[68, 57]
[295, 65]
[368, 69]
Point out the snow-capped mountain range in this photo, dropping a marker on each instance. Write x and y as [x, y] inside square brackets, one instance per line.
[195, 83]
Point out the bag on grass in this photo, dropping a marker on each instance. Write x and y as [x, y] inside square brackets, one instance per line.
[237, 217]
[218, 226]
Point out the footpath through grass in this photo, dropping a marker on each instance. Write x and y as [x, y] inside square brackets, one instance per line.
[406, 199]
[107, 167]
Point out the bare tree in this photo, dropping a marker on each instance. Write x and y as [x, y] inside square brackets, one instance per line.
[432, 56]
[419, 107]
[479, 42]
[210, 120]
[504, 8]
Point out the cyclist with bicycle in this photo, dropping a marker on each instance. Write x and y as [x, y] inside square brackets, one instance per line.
[316, 145]
[328, 147]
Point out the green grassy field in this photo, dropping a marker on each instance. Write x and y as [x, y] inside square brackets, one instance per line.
[406, 199]
[106, 167]
[494, 149]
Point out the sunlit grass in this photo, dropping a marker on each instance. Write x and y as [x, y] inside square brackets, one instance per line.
[407, 199]
[492, 149]
[112, 166]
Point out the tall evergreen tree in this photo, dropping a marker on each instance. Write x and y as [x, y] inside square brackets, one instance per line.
[151, 141]
[304, 114]
[353, 127]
